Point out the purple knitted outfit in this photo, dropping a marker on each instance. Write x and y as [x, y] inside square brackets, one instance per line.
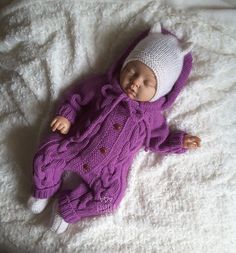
[108, 129]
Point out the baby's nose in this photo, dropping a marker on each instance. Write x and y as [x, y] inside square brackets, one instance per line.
[135, 83]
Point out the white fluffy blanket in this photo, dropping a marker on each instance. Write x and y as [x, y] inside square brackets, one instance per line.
[177, 203]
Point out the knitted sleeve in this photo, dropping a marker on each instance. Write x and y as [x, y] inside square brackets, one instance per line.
[164, 141]
[79, 95]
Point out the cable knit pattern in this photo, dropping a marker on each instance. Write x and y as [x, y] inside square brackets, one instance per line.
[108, 129]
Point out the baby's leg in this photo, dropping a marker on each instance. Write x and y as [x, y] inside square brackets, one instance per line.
[102, 197]
[48, 166]
[59, 225]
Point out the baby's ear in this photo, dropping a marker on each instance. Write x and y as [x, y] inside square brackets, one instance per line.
[187, 46]
[155, 28]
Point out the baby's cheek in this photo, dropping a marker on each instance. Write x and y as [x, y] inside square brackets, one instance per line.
[148, 95]
[125, 82]
[121, 81]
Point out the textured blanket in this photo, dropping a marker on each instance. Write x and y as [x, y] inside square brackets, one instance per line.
[177, 203]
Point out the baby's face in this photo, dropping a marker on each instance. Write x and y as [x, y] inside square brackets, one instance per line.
[138, 81]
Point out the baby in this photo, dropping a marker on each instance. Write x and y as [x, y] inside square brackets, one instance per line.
[103, 122]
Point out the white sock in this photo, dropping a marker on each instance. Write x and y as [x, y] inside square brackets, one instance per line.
[37, 205]
[59, 225]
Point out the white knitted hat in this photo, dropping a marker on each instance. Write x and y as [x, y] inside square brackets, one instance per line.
[164, 54]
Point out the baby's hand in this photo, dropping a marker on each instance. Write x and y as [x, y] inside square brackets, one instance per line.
[60, 123]
[191, 141]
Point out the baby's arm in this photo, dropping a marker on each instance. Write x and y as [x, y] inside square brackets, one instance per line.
[165, 141]
[73, 101]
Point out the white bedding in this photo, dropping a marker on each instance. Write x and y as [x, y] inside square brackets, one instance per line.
[177, 203]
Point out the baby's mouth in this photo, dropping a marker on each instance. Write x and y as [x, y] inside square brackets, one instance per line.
[131, 92]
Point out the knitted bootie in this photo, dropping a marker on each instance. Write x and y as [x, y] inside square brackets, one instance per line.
[58, 225]
[37, 205]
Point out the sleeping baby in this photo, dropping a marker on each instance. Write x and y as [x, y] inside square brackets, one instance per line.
[102, 122]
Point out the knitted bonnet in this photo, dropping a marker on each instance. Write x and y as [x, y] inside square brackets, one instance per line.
[164, 55]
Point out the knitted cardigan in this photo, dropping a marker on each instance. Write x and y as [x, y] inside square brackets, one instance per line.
[109, 127]
[101, 93]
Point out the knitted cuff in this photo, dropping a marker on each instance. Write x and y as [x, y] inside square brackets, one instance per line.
[66, 210]
[45, 193]
[176, 140]
[67, 112]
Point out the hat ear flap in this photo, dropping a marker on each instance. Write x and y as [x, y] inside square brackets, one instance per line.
[156, 28]
[186, 47]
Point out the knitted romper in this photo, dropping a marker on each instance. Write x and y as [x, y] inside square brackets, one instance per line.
[108, 129]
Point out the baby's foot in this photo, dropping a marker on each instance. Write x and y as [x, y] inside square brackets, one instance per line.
[58, 225]
[37, 205]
